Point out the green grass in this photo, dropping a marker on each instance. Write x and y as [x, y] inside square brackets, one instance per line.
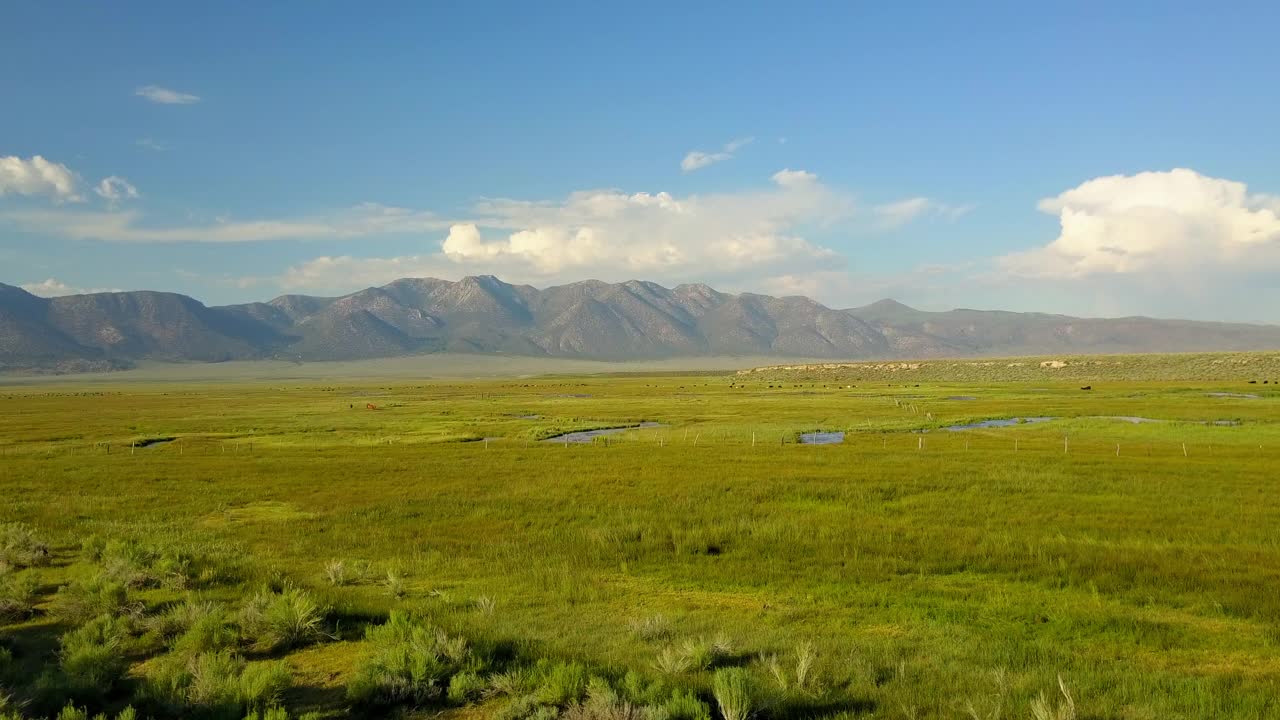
[900, 574]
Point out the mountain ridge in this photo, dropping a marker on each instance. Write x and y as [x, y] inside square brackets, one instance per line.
[589, 319]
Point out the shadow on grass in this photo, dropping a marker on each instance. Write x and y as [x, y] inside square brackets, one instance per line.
[824, 707]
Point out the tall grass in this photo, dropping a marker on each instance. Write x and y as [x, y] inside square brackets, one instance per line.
[1063, 708]
[734, 692]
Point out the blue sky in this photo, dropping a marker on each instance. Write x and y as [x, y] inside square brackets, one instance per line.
[1090, 159]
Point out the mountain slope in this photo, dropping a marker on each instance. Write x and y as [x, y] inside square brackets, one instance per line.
[918, 333]
[589, 319]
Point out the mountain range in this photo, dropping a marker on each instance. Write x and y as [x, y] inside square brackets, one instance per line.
[590, 319]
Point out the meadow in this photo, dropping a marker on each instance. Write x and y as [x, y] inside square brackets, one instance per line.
[302, 547]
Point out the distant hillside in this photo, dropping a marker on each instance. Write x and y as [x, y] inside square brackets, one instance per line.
[587, 320]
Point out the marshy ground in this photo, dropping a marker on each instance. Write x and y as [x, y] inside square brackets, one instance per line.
[922, 575]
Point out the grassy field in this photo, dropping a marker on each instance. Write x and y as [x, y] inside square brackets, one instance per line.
[221, 550]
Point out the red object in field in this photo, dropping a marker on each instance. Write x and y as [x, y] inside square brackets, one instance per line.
[370, 406]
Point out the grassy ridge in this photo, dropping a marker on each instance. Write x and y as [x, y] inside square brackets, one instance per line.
[919, 572]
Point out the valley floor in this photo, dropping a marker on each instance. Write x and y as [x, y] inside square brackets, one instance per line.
[1127, 546]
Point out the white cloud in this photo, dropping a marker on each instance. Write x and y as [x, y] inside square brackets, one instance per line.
[115, 188]
[697, 159]
[793, 178]
[152, 144]
[1177, 222]
[610, 234]
[53, 287]
[128, 226]
[897, 214]
[165, 96]
[37, 176]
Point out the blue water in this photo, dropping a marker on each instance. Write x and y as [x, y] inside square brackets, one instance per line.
[1005, 422]
[821, 438]
[586, 436]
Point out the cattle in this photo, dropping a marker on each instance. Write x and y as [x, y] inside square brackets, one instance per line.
[370, 406]
[1087, 387]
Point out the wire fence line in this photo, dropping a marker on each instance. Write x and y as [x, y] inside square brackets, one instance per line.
[989, 444]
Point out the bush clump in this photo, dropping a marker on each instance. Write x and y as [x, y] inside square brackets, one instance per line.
[218, 684]
[21, 546]
[274, 620]
[93, 655]
[79, 602]
[193, 627]
[17, 596]
[411, 662]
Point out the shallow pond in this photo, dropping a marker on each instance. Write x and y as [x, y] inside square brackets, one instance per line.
[821, 438]
[586, 436]
[1004, 422]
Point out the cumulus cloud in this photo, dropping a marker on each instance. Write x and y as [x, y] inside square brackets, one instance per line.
[698, 159]
[1172, 222]
[130, 226]
[165, 96]
[115, 188]
[52, 287]
[37, 176]
[615, 235]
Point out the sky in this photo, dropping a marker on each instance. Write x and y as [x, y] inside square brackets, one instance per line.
[1091, 158]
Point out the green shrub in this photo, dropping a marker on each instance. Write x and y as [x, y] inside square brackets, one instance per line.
[92, 547]
[652, 629]
[409, 662]
[698, 654]
[218, 684]
[465, 687]
[71, 712]
[562, 683]
[194, 627]
[734, 693]
[512, 683]
[336, 573]
[21, 547]
[128, 563]
[79, 602]
[603, 703]
[278, 620]
[17, 596]
[93, 655]
[394, 583]
[684, 705]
